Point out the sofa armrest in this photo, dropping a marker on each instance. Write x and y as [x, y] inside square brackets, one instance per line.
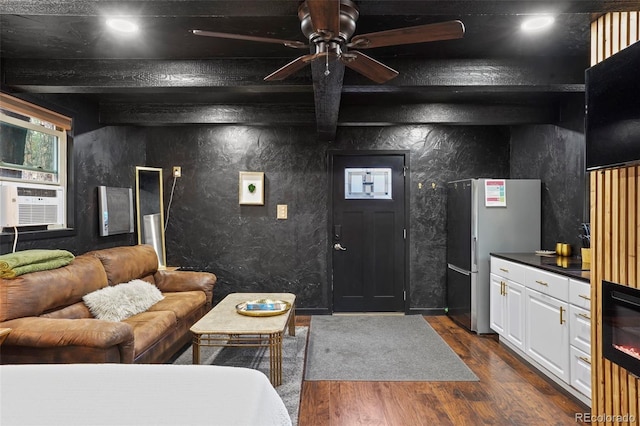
[39, 332]
[168, 281]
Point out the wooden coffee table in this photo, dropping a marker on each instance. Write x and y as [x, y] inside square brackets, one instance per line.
[224, 326]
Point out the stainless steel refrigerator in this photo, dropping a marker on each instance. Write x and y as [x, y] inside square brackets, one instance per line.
[485, 216]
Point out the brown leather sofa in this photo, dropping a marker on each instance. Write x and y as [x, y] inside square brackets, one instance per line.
[50, 323]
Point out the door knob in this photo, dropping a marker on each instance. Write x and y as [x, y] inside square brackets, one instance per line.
[338, 246]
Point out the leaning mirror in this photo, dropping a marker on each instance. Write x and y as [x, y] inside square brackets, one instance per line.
[150, 210]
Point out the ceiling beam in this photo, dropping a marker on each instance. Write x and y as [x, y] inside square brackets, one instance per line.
[154, 114]
[232, 91]
[443, 113]
[104, 75]
[155, 8]
[162, 114]
[246, 75]
[327, 92]
[499, 7]
[257, 8]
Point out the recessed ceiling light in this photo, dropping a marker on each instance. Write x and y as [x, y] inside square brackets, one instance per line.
[537, 23]
[122, 25]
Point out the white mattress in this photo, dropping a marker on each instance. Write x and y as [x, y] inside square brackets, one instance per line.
[132, 394]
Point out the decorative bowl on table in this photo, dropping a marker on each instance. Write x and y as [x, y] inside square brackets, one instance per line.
[263, 307]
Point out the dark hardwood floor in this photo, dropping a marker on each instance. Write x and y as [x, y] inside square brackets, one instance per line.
[508, 393]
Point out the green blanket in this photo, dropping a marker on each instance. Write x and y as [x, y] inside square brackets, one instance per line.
[23, 262]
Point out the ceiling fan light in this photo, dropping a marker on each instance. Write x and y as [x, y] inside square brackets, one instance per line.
[537, 23]
[122, 25]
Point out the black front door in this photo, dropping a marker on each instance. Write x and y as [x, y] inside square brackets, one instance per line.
[368, 233]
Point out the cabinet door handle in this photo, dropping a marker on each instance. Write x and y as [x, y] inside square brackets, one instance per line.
[505, 289]
[585, 316]
[542, 283]
[584, 296]
[585, 359]
[504, 270]
[501, 288]
[562, 321]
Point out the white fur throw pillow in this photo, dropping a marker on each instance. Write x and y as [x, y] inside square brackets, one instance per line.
[118, 302]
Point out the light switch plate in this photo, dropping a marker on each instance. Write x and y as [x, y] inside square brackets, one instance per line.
[282, 211]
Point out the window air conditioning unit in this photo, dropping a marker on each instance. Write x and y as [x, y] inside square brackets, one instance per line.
[27, 204]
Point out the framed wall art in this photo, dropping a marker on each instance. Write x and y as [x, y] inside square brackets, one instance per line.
[251, 188]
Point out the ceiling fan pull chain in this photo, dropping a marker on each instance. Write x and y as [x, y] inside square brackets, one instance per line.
[326, 62]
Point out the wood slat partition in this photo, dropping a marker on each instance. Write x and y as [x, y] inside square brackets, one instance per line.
[615, 204]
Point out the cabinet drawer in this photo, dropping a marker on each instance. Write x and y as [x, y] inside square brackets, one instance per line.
[580, 328]
[548, 283]
[580, 294]
[509, 270]
[581, 371]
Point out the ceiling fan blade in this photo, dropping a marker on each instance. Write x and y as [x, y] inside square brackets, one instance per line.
[369, 67]
[292, 67]
[288, 43]
[325, 15]
[419, 34]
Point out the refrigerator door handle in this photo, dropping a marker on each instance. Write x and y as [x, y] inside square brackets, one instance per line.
[459, 270]
[474, 254]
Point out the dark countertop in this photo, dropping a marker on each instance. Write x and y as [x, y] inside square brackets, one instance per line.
[571, 267]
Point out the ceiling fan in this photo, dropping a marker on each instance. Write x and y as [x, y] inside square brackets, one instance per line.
[329, 25]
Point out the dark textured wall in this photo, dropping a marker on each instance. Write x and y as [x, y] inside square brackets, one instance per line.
[102, 156]
[556, 156]
[106, 156]
[250, 250]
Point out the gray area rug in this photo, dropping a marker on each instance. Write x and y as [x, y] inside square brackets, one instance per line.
[380, 348]
[293, 349]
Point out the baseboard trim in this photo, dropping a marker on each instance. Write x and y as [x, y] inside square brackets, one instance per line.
[412, 311]
[313, 311]
[426, 311]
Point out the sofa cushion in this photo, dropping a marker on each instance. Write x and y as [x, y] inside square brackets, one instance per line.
[48, 332]
[181, 303]
[75, 311]
[170, 281]
[124, 264]
[40, 292]
[150, 327]
[122, 301]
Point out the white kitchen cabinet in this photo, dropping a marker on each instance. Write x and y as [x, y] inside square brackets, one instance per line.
[515, 321]
[580, 294]
[507, 310]
[545, 318]
[497, 304]
[548, 283]
[547, 331]
[509, 270]
[581, 371]
[580, 328]
[580, 335]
